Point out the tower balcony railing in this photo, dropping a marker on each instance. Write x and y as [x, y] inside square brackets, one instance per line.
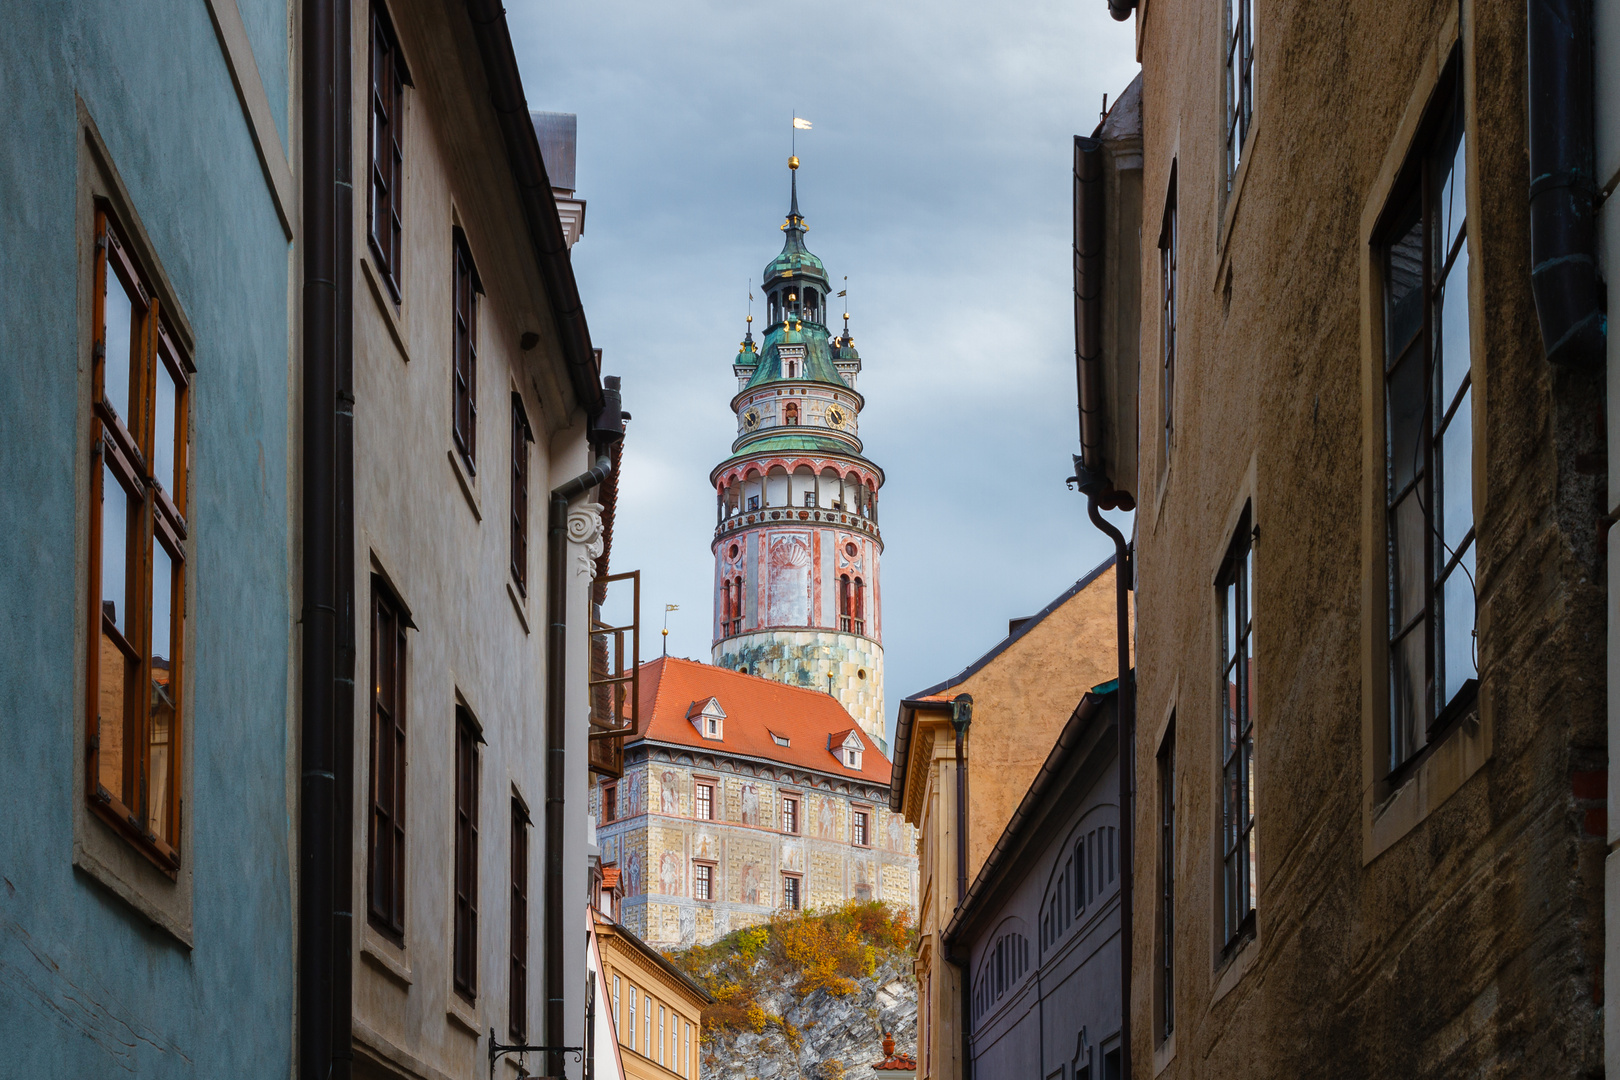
[745, 518]
[851, 625]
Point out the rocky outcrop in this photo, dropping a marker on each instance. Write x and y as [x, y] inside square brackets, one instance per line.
[823, 1036]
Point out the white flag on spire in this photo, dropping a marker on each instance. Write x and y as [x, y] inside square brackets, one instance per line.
[801, 123]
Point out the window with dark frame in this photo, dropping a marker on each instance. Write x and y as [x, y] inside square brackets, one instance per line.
[790, 892]
[790, 815]
[518, 1006]
[705, 802]
[702, 881]
[1234, 601]
[1167, 326]
[1239, 82]
[859, 831]
[610, 803]
[1433, 659]
[386, 851]
[1167, 885]
[467, 289]
[466, 884]
[522, 436]
[138, 491]
[389, 78]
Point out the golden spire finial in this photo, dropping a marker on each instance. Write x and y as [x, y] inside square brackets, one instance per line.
[793, 162]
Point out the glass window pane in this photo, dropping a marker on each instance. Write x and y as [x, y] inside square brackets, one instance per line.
[162, 612]
[1456, 468]
[1404, 416]
[1407, 577]
[113, 708]
[119, 322]
[1453, 210]
[1457, 626]
[1455, 353]
[1408, 685]
[115, 521]
[164, 404]
[1403, 281]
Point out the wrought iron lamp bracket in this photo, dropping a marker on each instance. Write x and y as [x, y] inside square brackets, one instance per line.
[498, 1050]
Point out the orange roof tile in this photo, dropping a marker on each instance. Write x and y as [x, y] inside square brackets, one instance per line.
[754, 708]
[610, 877]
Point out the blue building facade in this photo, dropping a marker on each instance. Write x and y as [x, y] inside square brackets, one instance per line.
[146, 223]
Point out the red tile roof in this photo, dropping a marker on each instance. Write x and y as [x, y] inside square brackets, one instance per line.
[754, 708]
[610, 877]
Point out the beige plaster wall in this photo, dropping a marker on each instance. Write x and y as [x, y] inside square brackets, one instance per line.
[440, 534]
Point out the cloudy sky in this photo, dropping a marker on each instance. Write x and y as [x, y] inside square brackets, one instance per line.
[937, 177]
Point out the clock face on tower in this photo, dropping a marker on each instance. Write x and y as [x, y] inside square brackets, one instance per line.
[835, 417]
[751, 419]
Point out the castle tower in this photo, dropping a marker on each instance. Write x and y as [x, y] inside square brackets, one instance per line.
[796, 543]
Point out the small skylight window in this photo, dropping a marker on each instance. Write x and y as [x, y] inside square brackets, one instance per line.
[781, 740]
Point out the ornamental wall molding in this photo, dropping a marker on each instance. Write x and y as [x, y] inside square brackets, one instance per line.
[585, 529]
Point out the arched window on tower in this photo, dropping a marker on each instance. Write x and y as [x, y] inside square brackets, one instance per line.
[775, 309]
[790, 411]
[857, 609]
[846, 598]
[812, 311]
[732, 605]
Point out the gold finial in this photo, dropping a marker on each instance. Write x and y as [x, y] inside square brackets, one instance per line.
[793, 162]
[750, 318]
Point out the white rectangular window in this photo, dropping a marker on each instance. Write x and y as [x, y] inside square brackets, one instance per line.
[1239, 81]
[630, 1028]
[618, 1018]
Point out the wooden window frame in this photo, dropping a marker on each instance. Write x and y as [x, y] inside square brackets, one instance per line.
[466, 288]
[385, 858]
[518, 985]
[792, 819]
[386, 156]
[522, 436]
[860, 828]
[1237, 893]
[124, 450]
[1413, 206]
[610, 802]
[465, 885]
[797, 890]
[702, 872]
[700, 803]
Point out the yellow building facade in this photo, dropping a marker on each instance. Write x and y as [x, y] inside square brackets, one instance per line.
[657, 1010]
[1022, 693]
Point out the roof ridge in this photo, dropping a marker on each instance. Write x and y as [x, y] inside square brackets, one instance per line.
[761, 678]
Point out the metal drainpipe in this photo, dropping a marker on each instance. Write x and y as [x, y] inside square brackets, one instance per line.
[961, 719]
[607, 427]
[1127, 774]
[1563, 182]
[325, 923]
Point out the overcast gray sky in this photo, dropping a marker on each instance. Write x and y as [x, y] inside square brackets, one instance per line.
[937, 177]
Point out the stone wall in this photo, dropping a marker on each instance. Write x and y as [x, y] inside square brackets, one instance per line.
[806, 658]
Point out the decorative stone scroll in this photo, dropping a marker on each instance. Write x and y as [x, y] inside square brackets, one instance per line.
[585, 529]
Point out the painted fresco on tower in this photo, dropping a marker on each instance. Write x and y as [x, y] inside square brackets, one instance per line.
[789, 575]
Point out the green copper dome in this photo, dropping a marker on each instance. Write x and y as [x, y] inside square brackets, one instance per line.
[795, 261]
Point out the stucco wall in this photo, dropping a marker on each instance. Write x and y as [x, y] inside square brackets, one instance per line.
[809, 658]
[91, 987]
[440, 532]
[1465, 945]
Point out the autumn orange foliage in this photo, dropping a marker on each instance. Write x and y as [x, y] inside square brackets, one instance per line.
[816, 950]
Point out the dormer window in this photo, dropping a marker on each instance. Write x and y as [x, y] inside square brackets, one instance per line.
[847, 749]
[709, 718]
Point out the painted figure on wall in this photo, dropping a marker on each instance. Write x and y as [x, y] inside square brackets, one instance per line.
[750, 804]
[669, 874]
[704, 847]
[792, 857]
[790, 581]
[670, 793]
[895, 832]
[824, 820]
[632, 875]
[629, 802]
[750, 884]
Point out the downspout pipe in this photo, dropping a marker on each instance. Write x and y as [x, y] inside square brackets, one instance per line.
[961, 720]
[1563, 183]
[1093, 482]
[605, 428]
[326, 645]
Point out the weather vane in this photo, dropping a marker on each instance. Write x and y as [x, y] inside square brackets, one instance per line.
[667, 609]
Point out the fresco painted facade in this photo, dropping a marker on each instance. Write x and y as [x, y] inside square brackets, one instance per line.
[796, 545]
[711, 834]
